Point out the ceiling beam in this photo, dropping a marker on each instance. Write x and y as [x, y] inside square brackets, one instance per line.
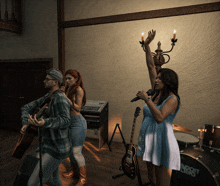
[177, 11]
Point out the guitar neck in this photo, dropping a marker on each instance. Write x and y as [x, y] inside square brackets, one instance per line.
[41, 112]
[137, 111]
[132, 132]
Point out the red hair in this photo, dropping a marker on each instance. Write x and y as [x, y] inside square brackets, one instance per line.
[79, 82]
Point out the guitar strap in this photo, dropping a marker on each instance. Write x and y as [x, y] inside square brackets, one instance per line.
[49, 105]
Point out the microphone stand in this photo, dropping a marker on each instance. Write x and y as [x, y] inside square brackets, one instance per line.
[40, 145]
[50, 98]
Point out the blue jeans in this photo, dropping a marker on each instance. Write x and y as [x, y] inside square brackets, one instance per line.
[78, 129]
[50, 169]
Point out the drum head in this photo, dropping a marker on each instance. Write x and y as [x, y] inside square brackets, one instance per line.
[187, 138]
[197, 169]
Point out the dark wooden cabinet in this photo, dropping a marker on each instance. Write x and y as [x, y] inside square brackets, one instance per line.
[21, 81]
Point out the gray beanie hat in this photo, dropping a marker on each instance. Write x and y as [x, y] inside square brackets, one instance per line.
[56, 74]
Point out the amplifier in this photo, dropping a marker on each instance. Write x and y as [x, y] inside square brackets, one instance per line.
[96, 114]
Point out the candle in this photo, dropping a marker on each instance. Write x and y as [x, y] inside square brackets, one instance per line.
[142, 37]
[174, 34]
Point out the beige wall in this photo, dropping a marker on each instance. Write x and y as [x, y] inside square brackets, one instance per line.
[112, 63]
[39, 37]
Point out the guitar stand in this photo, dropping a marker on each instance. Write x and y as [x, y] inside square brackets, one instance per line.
[120, 168]
[117, 125]
[138, 176]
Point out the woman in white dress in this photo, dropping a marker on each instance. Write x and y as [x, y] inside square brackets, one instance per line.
[157, 143]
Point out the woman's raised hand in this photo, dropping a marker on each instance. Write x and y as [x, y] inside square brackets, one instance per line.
[151, 35]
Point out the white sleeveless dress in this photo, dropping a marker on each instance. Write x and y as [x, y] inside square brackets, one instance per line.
[157, 142]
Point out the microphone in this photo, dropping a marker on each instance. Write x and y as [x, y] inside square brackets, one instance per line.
[150, 92]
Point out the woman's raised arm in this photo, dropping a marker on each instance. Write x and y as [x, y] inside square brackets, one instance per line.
[149, 58]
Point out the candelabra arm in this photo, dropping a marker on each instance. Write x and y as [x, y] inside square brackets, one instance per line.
[168, 58]
[170, 49]
[173, 43]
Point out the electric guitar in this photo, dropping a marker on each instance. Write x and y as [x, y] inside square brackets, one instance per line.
[129, 161]
[31, 131]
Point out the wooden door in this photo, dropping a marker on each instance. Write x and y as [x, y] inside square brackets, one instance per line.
[21, 82]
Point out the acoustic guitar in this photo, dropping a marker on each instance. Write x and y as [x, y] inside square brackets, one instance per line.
[31, 131]
[129, 161]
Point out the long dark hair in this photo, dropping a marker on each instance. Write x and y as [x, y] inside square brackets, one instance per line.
[79, 82]
[171, 83]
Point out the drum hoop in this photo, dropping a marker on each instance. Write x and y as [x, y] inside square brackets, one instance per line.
[216, 181]
[214, 126]
[188, 135]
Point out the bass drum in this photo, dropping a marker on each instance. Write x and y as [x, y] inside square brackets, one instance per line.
[198, 168]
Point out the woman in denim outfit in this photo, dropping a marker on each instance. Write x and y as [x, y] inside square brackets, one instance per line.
[76, 94]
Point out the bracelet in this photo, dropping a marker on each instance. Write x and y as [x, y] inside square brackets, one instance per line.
[147, 99]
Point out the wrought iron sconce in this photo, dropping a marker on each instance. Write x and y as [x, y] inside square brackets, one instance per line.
[158, 57]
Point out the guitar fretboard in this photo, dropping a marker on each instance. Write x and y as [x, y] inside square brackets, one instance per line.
[41, 112]
[132, 131]
[137, 111]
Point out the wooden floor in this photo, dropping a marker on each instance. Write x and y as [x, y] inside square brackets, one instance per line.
[101, 164]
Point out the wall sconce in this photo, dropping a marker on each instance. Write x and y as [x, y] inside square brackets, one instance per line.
[158, 57]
